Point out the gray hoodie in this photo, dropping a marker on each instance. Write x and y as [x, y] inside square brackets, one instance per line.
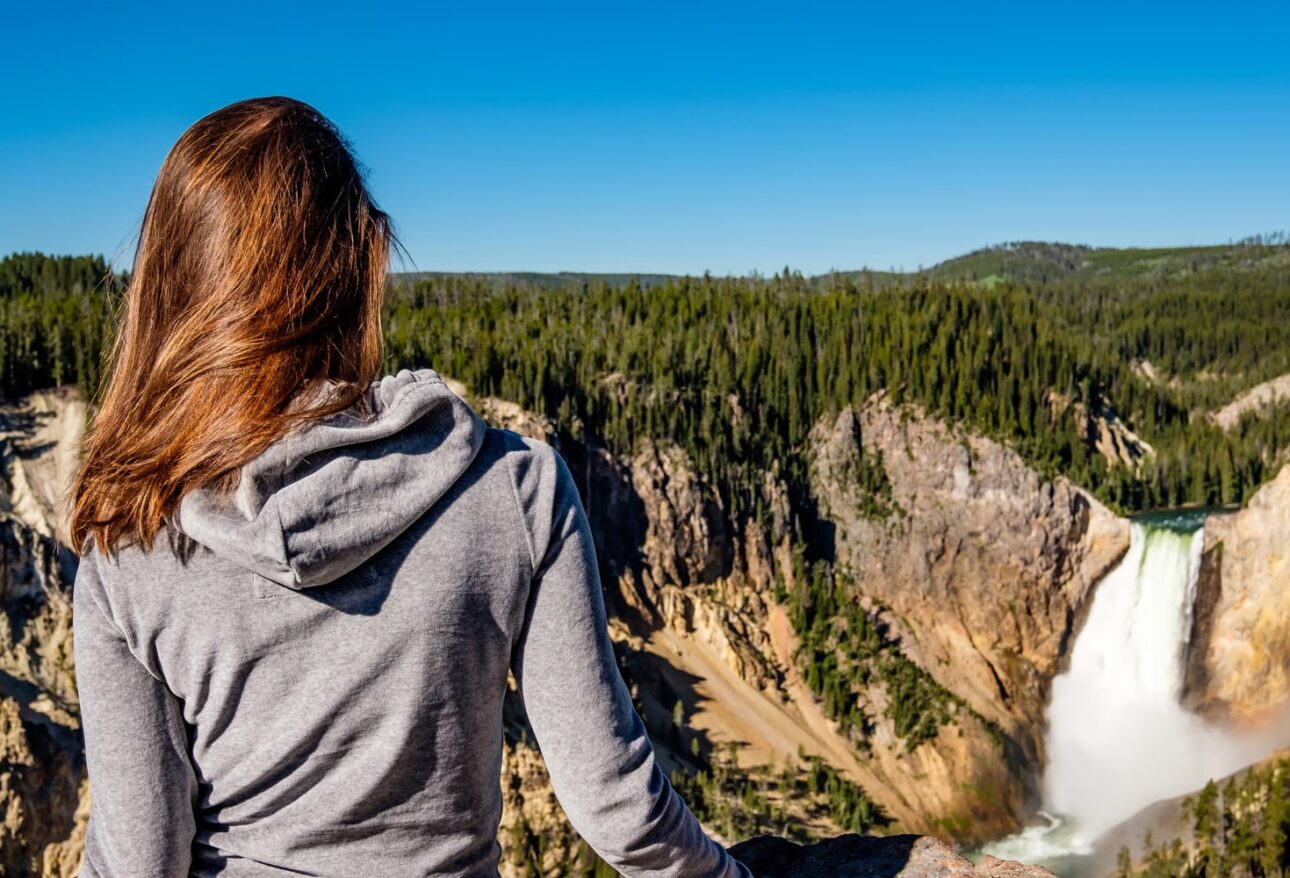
[318, 689]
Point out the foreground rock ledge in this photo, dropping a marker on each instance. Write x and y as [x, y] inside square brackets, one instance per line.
[867, 856]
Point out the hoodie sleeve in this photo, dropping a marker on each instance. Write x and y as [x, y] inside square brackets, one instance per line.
[142, 783]
[595, 745]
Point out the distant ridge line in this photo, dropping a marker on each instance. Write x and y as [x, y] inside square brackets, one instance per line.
[1016, 260]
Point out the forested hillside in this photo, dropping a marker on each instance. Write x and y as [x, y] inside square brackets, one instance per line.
[1237, 827]
[54, 320]
[737, 369]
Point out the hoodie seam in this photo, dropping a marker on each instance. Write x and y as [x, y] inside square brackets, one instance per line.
[519, 510]
[282, 533]
[104, 605]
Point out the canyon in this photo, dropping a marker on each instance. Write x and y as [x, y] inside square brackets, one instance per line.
[978, 573]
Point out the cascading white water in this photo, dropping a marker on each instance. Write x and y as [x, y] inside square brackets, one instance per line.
[1118, 739]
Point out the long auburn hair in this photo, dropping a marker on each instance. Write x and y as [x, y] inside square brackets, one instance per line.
[253, 308]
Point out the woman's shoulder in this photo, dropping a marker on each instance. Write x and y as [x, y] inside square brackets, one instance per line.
[131, 585]
[530, 460]
[542, 484]
[144, 583]
[129, 560]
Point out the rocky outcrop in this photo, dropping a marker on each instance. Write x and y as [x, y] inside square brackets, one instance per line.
[981, 568]
[39, 442]
[1103, 430]
[44, 794]
[676, 557]
[1257, 399]
[1111, 437]
[860, 856]
[1239, 666]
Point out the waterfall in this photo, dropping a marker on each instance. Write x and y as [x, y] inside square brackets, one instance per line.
[1118, 739]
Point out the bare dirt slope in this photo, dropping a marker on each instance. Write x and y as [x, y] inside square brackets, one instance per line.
[1257, 398]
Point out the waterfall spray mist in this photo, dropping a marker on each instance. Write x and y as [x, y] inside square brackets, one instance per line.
[1118, 738]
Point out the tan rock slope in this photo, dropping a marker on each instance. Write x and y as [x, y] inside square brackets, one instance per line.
[1256, 399]
[1239, 666]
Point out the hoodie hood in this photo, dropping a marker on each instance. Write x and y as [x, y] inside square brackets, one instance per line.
[319, 502]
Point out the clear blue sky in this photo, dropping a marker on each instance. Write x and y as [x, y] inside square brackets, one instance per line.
[624, 136]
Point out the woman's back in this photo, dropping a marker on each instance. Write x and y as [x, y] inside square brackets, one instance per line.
[318, 688]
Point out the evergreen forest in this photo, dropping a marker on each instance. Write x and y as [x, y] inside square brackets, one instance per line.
[1238, 827]
[737, 370]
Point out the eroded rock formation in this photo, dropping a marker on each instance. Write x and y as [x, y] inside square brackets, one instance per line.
[983, 573]
[1239, 665]
[44, 800]
[1258, 398]
[1103, 430]
[983, 570]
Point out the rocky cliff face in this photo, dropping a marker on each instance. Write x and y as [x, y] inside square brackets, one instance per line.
[1239, 663]
[44, 799]
[1102, 429]
[982, 573]
[983, 570]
